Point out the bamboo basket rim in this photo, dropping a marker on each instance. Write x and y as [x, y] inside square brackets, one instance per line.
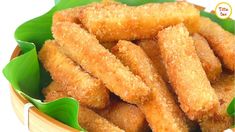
[33, 110]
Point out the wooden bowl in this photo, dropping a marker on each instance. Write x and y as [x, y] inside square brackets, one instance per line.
[38, 121]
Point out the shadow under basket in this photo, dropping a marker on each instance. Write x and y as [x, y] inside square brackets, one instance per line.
[37, 120]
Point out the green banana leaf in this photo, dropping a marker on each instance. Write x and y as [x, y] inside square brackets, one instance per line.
[28, 77]
[135, 2]
[231, 108]
[227, 24]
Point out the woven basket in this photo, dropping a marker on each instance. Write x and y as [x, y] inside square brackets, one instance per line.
[38, 121]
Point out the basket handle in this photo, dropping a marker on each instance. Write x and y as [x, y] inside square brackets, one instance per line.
[27, 106]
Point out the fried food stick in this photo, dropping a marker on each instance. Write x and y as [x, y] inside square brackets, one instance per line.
[126, 116]
[162, 112]
[72, 14]
[68, 15]
[152, 50]
[85, 49]
[222, 42]
[54, 91]
[210, 62]
[196, 96]
[76, 83]
[225, 89]
[93, 122]
[113, 22]
[87, 118]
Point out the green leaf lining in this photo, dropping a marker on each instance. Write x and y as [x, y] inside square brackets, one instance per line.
[231, 108]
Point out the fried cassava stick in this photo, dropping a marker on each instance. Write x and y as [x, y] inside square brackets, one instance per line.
[85, 49]
[222, 42]
[113, 22]
[76, 82]
[196, 96]
[162, 110]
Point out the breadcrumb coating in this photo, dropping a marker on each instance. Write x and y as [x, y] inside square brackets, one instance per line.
[85, 50]
[222, 42]
[162, 110]
[113, 22]
[225, 89]
[87, 118]
[210, 62]
[76, 82]
[68, 15]
[152, 50]
[196, 96]
[53, 91]
[126, 116]
[93, 122]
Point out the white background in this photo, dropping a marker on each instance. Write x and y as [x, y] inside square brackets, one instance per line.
[12, 14]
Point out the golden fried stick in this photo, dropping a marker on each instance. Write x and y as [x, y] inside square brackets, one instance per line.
[162, 112]
[126, 116]
[210, 62]
[76, 82]
[93, 122]
[222, 42]
[87, 118]
[72, 14]
[196, 96]
[85, 49]
[112, 22]
[152, 50]
[68, 15]
[225, 89]
[54, 91]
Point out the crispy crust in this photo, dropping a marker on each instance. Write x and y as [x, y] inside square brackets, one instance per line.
[113, 22]
[93, 122]
[162, 110]
[53, 91]
[87, 118]
[75, 82]
[126, 116]
[195, 94]
[85, 49]
[152, 50]
[210, 62]
[225, 89]
[222, 42]
[68, 15]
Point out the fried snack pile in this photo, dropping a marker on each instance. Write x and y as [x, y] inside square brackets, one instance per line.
[162, 108]
[77, 83]
[224, 89]
[155, 66]
[112, 22]
[210, 62]
[222, 42]
[195, 94]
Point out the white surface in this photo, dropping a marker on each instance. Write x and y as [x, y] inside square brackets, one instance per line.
[13, 13]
